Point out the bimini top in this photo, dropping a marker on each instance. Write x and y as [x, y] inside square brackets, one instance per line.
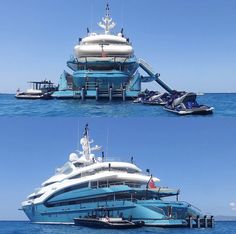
[106, 44]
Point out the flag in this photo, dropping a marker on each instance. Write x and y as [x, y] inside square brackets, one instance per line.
[103, 54]
[151, 184]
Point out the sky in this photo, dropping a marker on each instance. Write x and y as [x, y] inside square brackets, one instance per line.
[195, 155]
[192, 44]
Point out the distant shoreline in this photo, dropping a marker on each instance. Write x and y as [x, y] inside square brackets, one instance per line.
[225, 218]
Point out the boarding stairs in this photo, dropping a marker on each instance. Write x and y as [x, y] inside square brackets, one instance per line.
[91, 85]
[117, 93]
[69, 80]
[103, 92]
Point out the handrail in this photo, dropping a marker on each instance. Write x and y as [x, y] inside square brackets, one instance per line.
[107, 185]
[144, 63]
[190, 205]
[111, 57]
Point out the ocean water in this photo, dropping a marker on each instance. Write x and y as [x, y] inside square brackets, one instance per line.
[224, 104]
[13, 227]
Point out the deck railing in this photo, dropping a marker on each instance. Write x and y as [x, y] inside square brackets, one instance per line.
[107, 185]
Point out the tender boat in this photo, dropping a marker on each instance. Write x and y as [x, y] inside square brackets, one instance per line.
[106, 222]
[88, 188]
[39, 90]
[186, 104]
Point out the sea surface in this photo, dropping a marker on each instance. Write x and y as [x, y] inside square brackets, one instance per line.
[14, 227]
[224, 104]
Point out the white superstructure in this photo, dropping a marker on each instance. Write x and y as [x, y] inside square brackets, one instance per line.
[83, 167]
[106, 44]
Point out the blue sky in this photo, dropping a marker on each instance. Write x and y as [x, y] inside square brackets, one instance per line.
[195, 155]
[191, 43]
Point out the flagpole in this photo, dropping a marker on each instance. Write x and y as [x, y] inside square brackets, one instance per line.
[148, 182]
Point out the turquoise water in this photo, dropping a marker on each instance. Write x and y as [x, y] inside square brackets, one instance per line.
[7, 227]
[224, 104]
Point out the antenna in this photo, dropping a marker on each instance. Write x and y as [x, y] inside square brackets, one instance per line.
[91, 15]
[107, 22]
[107, 9]
[122, 14]
[78, 140]
[107, 143]
[86, 130]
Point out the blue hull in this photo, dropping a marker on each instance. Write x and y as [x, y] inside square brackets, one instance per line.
[153, 213]
[123, 78]
[115, 201]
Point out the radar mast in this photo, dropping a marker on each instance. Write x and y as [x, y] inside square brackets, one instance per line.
[107, 22]
[85, 144]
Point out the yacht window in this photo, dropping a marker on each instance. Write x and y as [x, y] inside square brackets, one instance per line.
[102, 184]
[35, 196]
[75, 177]
[75, 187]
[66, 169]
[93, 184]
[114, 183]
[49, 183]
[129, 170]
[69, 189]
[118, 196]
[77, 164]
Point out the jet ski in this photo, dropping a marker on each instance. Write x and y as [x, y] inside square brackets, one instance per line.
[138, 99]
[152, 98]
[157, 99]
[183, 103]
[145, 95]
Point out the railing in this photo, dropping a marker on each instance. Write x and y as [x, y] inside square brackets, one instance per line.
[106, 169]
[100, 204]
[91, 85]
[112, 58]
[107, 185]
[190, 205]
[112, 159]
[148, 67]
